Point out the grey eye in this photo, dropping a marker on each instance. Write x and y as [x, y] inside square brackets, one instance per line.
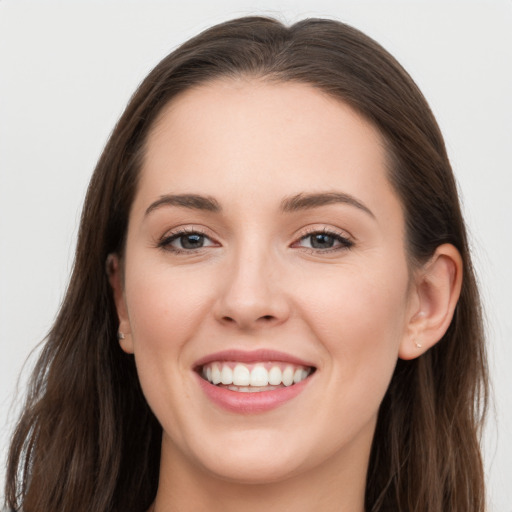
[191, 241]
[186, 241]
[322, 241]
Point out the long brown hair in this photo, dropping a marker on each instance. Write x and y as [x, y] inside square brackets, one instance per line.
[87, 440]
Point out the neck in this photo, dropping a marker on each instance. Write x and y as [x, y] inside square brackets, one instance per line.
[331, 487]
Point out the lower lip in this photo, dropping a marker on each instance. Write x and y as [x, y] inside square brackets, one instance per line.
[251, 403]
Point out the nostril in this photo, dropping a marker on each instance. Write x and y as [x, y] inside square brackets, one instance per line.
[244, 322]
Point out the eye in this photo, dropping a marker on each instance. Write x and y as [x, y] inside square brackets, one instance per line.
[186, 241]
[324, 241]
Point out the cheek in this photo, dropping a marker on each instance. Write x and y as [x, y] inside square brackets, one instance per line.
[368, 305]
[165, 311]
[359, 318]
[164, 307]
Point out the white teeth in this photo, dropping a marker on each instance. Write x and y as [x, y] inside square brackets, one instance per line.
[215, 374]
[288, 376]
[241, 375]
[251, 378]
[275, 376]
[259, 376]
[249, 389]
[241, 389]
[226, 375]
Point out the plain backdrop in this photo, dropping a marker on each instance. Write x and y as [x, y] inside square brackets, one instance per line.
[68, 68]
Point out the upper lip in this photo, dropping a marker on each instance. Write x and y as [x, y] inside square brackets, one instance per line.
[253, 356]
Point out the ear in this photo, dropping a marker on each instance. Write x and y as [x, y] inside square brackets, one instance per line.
[115, 277]
[435, 293]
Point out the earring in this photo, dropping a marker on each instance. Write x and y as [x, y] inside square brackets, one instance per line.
[120, 335]
[418, 345]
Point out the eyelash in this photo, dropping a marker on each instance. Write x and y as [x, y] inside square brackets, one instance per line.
[168, 239]
[344, 242]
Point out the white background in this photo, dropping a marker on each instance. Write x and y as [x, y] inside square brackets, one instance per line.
[68, 68]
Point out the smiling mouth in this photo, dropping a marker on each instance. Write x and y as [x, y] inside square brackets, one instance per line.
[254, 377]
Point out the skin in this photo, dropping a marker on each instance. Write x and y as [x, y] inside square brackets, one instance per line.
[257, 282]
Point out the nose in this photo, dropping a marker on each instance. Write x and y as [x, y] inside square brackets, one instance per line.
[252, 295]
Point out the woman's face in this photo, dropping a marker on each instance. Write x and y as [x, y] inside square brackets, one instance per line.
[264, 242]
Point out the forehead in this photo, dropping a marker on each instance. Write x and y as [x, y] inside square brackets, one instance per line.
[242, 106]
[223, 137]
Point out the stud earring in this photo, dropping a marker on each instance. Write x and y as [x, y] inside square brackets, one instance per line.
[120, 335]
[418, 345]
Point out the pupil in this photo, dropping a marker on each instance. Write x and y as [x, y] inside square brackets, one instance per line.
[322, 241]
[192, 241]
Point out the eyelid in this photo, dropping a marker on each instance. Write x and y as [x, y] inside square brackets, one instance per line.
[346, 240]
[164, 242]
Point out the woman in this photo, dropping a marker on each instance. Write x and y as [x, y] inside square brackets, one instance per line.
[272, 304]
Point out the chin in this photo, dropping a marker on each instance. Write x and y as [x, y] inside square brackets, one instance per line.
[254, 468]
[258, 457]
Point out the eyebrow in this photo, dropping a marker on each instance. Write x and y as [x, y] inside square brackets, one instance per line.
[288, 205]
[308, 201]
[192, 201]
